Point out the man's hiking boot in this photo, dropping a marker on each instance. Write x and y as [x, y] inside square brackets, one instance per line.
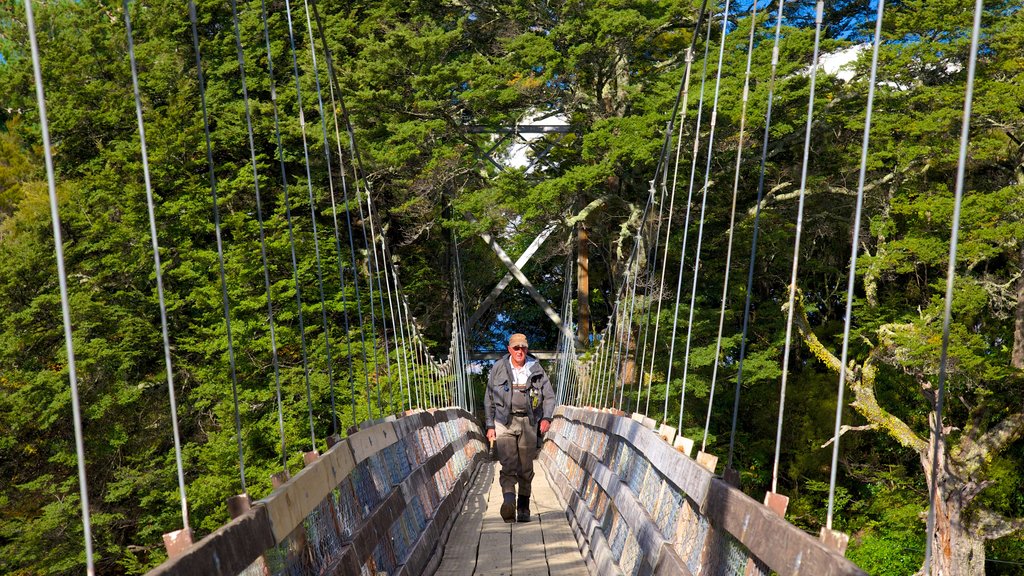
[508, 507]
[523, 509]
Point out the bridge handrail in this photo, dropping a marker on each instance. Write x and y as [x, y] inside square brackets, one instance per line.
[363, 493]
[642, 507]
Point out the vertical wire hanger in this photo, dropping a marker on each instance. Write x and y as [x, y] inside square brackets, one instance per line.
[683, 95]
[291, 233]
[312, 208]
[754, 236]
[938, 432]
[259, 206]
[157, 268]
[851, 275]
[682, 250]
[225, 301]
[732, 222]
[703, 206]
[819, 14]
[333, 86]
[62, 279]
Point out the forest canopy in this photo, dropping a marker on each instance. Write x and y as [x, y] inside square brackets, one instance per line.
[429, 89]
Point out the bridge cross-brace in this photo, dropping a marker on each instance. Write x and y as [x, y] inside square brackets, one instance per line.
[517, 273]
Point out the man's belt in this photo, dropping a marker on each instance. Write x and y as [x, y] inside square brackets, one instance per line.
[520, 413]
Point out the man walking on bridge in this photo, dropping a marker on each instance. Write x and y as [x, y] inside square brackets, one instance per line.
[518, 394]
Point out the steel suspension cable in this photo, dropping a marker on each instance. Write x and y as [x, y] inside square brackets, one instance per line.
[259, 203]
[612, 338]
[682, 251]
[62, 279]
[853, 258]
[312, 207]
[333, 85]
[938, 432]
[682, 97]
[651, 265]
[634, 264]
[370, 273]
[753, 240]
[362, 221]
[732, 221]
[627, 292]
[561, 349]
[633, 297]
[819, 13]
[664, 257]
[151, 209]
[393, 274]
[417, 360]
[703, 206]
[396, 324]
[384, 315]
[288, 216]
[463, 347]
[225, 301]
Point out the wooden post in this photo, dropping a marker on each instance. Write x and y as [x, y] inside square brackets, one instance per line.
[583, 284]
[177, 542]
[707, 461]
[239, 504]
[277, 480]
[310, 457]
[834, 539]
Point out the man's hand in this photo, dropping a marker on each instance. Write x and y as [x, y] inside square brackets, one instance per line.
[544, 425]
[490, 434]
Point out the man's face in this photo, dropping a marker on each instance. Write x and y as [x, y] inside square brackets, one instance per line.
[518, 354]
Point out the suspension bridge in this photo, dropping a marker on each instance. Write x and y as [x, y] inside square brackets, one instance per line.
[621, 490]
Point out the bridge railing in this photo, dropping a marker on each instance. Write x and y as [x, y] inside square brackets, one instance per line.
[638, 506]
[378, 501]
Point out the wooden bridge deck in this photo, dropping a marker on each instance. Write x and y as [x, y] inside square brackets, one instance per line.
[481, 543]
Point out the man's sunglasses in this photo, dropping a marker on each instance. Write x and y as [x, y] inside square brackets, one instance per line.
[520, 348]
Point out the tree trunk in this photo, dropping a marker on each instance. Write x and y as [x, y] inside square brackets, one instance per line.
[956, 549]
[583, 284]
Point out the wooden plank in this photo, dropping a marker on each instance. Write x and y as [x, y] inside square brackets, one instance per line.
[227, 551]
[776, 503]
[289, 505]
[682, 472]
[783, 547]
[427, 554]
[367, 442]
[495, 554]
[528, 556]
[460, 547]
[338, 462]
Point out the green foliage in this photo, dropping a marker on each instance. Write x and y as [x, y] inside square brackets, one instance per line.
[416, 79]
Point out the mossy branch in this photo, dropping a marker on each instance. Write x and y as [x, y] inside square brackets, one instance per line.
[861, 382]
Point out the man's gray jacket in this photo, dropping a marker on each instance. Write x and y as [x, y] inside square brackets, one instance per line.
[498, 396]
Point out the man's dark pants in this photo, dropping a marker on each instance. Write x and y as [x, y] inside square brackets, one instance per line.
[517, 447]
